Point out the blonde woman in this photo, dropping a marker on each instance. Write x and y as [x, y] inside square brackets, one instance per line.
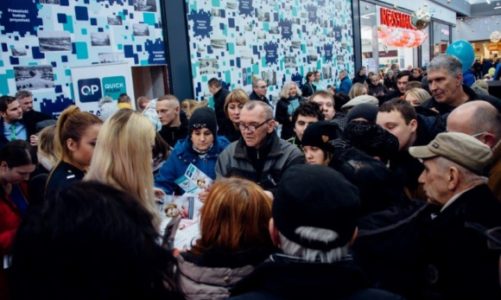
[357, 89]
[76, 135]
[416, 96]
[123, 157]
[290, 99]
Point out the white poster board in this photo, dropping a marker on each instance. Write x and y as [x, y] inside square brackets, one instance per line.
[91, 83]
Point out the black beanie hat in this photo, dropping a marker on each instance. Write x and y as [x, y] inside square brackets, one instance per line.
[316, 196]
[203, 117]
[367, 111]
[371, 139]
[319, 134]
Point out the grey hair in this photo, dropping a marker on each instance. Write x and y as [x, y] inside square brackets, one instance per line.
[467, 176]
[268, 111]
[284, 93]
[450, 63]
[318, 234]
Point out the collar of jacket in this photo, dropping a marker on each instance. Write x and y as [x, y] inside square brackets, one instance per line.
[241, 150]
[187, 153]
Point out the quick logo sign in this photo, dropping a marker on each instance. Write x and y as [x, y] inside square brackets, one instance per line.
[114, 86]
[89, 89]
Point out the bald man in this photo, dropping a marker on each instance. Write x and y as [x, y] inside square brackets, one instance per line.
[481, 119]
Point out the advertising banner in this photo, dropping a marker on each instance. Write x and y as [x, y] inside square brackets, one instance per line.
[91, 83]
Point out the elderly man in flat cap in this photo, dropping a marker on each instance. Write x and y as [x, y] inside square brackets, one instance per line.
[460, 265]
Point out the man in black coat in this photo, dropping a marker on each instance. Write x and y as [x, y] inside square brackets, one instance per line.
[445, 82]
[219, 92]
[314, 219]
[174, 122]
[34, 120]
[460, 265]
[259, 89]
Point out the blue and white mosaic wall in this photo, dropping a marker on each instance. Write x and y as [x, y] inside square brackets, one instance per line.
[277, 40]
[41, 40]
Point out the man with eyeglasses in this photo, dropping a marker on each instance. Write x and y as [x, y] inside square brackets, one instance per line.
[259, 89]
[260, 155]
[481, 120]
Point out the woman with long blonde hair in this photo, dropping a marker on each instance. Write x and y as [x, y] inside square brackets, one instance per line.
[233, 239]
[123, 157]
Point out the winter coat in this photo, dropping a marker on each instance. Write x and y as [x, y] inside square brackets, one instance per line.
[284, 111]
[181, 157]
[287, 277]
[460, 263]
[445, 108]
[211, 274]
[264, 166]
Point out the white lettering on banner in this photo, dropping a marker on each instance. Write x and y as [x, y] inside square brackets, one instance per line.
[89, 90]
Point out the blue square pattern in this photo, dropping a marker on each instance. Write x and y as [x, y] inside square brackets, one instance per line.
[231, 22]
[139, 48]
[54, 64]
[93, 21]
[81, 13]
[14, 60]
[100, 29]
[59, 88]
[37, 54]
[64, 3]
[64, 58]
[128, 51]
[61, 18]
[4, 47]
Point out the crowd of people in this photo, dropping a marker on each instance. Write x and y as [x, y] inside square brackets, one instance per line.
[387, 186]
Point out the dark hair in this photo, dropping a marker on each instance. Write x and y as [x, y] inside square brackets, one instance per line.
[405, 108]
[23, 94]
[123, 98]
[5, 101]
[309, 74]
[310, 109]
[17, 153]
[92, 241]
[161, 149]
[403, 74]
[340, 99]
[214, 82]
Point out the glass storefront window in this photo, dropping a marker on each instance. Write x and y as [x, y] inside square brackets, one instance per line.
[441, 37]
[376, 55]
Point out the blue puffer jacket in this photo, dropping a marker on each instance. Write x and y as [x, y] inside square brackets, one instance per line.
[179, 160]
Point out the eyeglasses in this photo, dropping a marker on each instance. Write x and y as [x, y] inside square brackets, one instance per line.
[252, 128]
[262, 87]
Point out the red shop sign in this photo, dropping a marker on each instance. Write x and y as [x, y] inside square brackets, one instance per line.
[393, 18]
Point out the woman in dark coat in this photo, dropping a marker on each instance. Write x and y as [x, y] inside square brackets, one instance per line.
[290, 99]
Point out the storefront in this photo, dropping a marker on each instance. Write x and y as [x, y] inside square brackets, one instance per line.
[441, 37]
[487, 50]
[388, 37]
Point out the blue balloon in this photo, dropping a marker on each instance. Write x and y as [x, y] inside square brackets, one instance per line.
[463, 51]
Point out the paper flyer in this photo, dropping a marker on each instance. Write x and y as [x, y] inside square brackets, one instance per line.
[194, 180]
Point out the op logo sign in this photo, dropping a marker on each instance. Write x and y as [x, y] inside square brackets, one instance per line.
[91, 89]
